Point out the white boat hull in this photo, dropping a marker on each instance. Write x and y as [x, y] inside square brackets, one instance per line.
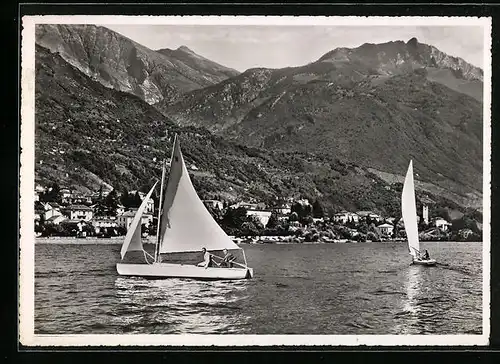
[169, 270]
[428, 262]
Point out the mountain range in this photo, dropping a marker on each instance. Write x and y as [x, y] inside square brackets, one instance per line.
[120, 63]
[377, 105]
[342, 128]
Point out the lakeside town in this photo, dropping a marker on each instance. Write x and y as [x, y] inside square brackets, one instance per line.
[61, 212]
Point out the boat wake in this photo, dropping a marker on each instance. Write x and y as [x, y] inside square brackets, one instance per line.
[458, 269]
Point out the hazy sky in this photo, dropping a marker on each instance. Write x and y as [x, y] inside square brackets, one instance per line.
[243, 47]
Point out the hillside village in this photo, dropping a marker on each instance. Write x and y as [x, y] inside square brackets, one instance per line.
[106, 214]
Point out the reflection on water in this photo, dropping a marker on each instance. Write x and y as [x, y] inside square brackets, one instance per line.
[188, 306]
[413, 283]
[431, 302]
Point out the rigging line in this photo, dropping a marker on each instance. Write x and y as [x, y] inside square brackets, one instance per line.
[145, 253]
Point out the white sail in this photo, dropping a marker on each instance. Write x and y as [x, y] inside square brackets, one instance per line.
[133, 241]
[409, 212]
[186, 224]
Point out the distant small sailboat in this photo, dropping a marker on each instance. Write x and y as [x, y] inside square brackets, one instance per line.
[409, 212]
[184, 225]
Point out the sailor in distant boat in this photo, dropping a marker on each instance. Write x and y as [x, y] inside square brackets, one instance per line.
[422, 256]
[207, 259]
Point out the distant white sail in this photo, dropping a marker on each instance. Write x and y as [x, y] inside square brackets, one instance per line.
[133, 241]
[409, 212]
[186, 224]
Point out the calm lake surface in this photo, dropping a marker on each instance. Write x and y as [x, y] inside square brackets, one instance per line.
[365, 288]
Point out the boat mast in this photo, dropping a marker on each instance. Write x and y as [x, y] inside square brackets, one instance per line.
[158, 238]
[157, 249]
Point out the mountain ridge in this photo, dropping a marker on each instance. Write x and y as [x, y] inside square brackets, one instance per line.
[400, 53]
[123, 64]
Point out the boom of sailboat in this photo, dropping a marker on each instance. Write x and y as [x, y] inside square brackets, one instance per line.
[184, 226]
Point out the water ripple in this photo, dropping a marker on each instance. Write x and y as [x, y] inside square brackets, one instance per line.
[299, 289]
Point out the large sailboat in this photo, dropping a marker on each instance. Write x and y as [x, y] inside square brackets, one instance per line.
[184, 226]
[409, 212]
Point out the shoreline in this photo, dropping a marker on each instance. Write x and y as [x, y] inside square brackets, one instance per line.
[152, 240]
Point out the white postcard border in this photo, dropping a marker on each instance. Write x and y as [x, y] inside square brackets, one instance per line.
[26, 252]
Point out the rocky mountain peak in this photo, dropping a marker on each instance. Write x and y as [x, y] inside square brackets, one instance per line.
[183, 48]
[413, 42]
[399, 57]
[120, 63]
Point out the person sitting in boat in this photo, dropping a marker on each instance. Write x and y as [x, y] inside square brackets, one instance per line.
[207, 259]
[426, 255]
[228, 259]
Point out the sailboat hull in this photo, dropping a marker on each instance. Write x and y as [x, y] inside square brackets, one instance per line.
[168, 270]
[429, 262]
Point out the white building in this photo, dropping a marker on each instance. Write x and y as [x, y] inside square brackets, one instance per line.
[56, 219]
[294, 226]
[425, 213]
[385, 229]
[103, 222]
[52, 209]
[214, 204]
[262, 215]
[79, 212]
[303, 202]
[246, 205]
[345, 216]
[284, 209]
[126, 218]
[120, 209]
[150, 206]
[65, 194]
[442, 224]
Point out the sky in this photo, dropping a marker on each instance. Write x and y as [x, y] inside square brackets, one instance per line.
[247, 46]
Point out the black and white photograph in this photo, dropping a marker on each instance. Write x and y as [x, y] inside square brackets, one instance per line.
[248, 180]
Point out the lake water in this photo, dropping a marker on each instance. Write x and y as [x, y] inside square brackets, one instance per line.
[333, 289]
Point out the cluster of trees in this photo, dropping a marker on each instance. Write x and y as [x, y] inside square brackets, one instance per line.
[71, 230]
[104, 205]
[107, 205]
[235, 221]
[51, 194]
